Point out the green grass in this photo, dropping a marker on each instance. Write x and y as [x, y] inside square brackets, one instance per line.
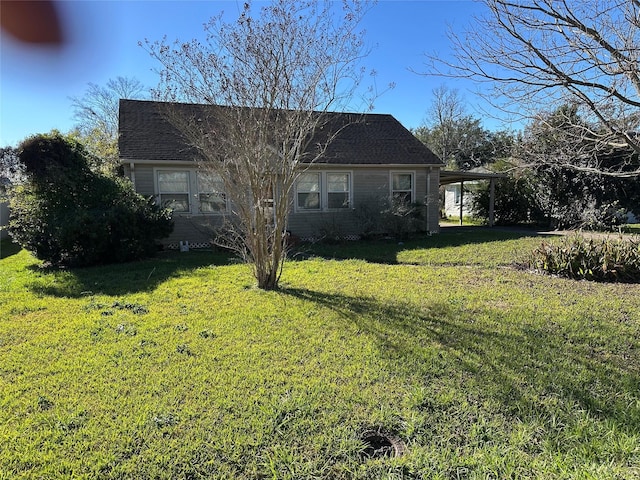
[179, 368]
[467, 220]
[632, 228]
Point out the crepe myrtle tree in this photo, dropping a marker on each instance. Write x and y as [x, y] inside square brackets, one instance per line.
[272, 76]
[541, 54]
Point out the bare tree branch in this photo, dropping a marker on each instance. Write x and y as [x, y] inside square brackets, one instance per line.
[272, 78]
[98, 107]
[96, 116]
[537, 55]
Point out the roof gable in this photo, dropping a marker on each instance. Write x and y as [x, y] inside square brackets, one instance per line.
[362, 139]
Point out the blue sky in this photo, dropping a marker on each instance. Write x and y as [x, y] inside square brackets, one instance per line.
[36, 83]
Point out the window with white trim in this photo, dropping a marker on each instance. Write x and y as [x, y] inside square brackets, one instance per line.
[402, 184]
[173, 189]
[318, 191]
[211, 193]
[191, 191]
[308, 191]
[338, 190]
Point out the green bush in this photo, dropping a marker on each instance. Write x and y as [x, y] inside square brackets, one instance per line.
[368, 216]
[400, 219]
[515, 202]
[604, 259]
[68, 215]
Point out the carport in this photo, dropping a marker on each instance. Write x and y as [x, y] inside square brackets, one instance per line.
[448, 177]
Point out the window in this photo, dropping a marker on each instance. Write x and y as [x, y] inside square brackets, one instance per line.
[173, 190]
[211, 193]
[337, 190]
[177, 189]
[309, 191]
[402, 188]
[323, 191]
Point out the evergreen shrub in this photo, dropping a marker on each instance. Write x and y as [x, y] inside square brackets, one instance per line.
[66, 214]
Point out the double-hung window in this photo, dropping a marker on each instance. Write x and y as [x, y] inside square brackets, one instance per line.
[191, 191]
[317, 191]
[337, 190]
[308, 191]
[211, 194]
[402, 187]
[173, 189]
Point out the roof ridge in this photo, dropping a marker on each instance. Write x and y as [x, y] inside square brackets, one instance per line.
[187, 104]
[380, 139]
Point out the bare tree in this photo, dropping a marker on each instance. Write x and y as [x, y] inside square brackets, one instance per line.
[540, 54]
[96, 116]
[272, 76]
[457, 137]
[11, 170]
[445, 111]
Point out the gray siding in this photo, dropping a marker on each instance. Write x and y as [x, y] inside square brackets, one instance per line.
[142, 176]
[432, 200]
[310, 225]
[196, 229]
[370, 185]
[370, 189]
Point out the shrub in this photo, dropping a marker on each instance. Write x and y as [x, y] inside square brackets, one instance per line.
[400, 219]
[605, 259]
[368, 216]
[66, 214]
[331, 229]
[514, 202]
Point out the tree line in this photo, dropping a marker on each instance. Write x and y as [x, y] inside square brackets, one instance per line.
[555, 175]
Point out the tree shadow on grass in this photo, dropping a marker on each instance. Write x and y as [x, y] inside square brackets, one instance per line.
[122, 278]
[533, 373]
[385, 251]
[8, 248]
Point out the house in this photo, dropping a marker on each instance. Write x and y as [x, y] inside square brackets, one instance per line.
[458, 197]
[371, 159]
[452, 198]
[459, 188]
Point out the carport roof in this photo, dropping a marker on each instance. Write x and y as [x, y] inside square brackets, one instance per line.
[447, 176]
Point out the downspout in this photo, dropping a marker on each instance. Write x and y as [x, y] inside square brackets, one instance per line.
[461, 200]
[428, 200]
[132, 174]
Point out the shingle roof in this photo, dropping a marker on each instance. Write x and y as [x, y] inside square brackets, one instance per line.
[372, 139]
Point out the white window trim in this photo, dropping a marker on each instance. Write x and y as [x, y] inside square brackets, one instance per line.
[194, 193]
[300, 208]
[158, 193]
[324, 192]
[223, 211]
[413, 183]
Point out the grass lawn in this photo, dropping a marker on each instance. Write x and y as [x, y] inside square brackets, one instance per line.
[632, 228]
[178, 368]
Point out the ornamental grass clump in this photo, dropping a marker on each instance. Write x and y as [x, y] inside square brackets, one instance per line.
[604, 259]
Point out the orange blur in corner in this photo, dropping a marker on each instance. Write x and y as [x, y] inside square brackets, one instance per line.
[32, 22]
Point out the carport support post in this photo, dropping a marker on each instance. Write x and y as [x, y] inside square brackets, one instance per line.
[492, 201]
[461, 200]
